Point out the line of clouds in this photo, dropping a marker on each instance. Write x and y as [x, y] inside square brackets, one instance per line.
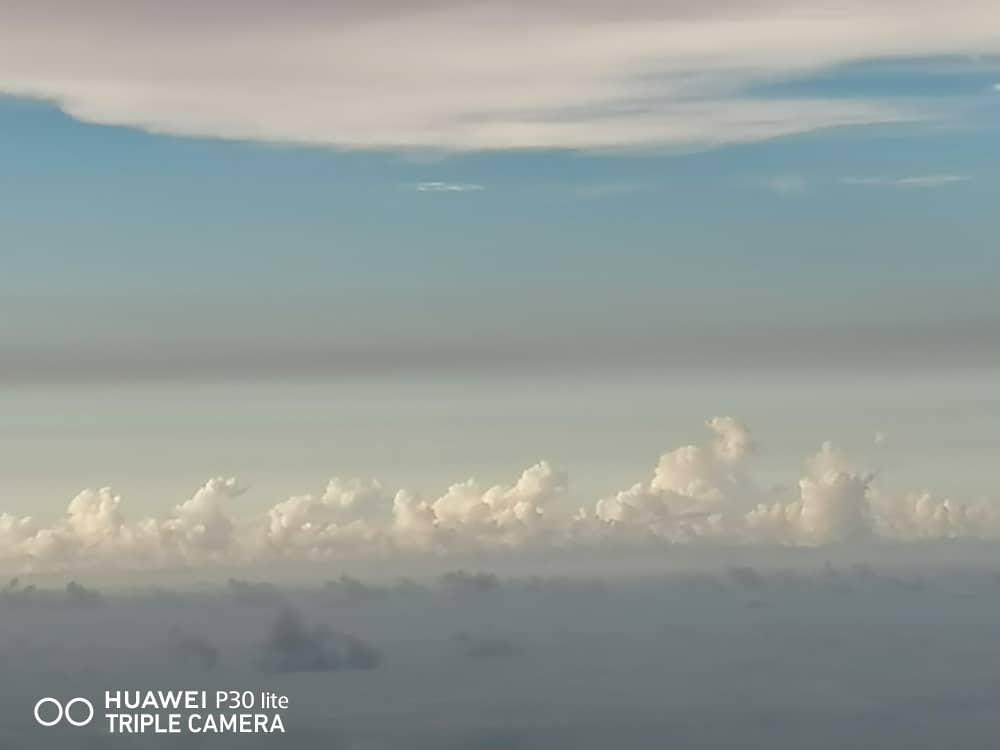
[453, 76]
[796, 184]
[698, 494]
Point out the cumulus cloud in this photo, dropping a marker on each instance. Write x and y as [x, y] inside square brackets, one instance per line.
[94, 527]
[313, 525]
[292, 646]
[699, 493]
[497, 514]
[833, 506]
[691, 487]
[533, 75]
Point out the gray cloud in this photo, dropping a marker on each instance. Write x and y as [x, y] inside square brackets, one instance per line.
[14, 592]
[745, 576]
[79, 595]
[460, 583]
[291, 646]
[185, 647]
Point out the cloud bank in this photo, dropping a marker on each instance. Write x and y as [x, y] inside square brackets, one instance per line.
[449, 75]
[698, 494]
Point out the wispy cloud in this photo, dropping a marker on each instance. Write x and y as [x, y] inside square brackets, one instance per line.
[607, 190]
[447, 187]
[914, 182]
[786, 184]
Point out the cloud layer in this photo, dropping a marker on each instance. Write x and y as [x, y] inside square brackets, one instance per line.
[444, 74]
[698, 494]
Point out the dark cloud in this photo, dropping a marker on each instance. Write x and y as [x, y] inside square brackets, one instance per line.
[744, 575]
[78, 595]
[292, 646]
[185, 647]
[14, 592]
[459, 582]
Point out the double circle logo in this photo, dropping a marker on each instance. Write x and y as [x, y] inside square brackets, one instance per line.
[49, 712]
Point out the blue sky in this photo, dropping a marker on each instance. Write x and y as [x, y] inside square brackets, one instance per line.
[294, 244]
[828, 230]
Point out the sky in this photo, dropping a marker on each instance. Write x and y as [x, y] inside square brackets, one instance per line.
[249, 247]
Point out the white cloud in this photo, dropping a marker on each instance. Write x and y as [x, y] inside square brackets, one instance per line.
[449, 75]
[915, 182]
[94, 528]
[697, 493]
[447, 187]
[832, 506]
[309, 526]
[497, 514]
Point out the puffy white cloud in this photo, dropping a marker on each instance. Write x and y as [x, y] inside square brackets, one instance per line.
[94, 528]
[317, 526]
[356, 513]
[833, 506]
[583, 75]
[201, 526]
[504, 514]
[921, 515]
[14, 530]
[697, 493]
[690, 489]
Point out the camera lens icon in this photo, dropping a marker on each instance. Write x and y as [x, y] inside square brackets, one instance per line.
[49, 712]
